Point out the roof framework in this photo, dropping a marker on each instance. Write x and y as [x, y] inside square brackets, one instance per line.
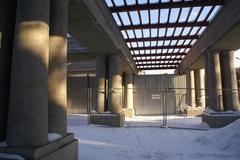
[159, 33]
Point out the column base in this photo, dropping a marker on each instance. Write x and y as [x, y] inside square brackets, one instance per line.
[65, 148]
[193, 111]
[218, 120]
[129, 112]
[113, 120]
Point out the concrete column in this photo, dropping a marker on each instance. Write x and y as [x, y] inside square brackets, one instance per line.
[206, 68]
[115, 84]
[128, 90]
[100, 83]
[190, 89]
[202, 88]
[229, 81]
[28, 109]
[57, 75]
[214, 81]
[199, 87]
[7, 22]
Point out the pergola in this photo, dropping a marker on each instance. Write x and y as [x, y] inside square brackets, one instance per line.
[159, 33]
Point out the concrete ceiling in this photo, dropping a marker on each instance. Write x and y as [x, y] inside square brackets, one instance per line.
[222, 34]
[93, 32]
[231, 40]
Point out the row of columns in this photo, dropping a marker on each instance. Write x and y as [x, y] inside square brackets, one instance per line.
[109, 85]
[33, 66]
[218, 88]
[195, 88]
[222, 80]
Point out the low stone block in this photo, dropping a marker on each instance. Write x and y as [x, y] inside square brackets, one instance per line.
[219, 120]
[65, 148]
[113, 120]
[194, 111]
[129, 112]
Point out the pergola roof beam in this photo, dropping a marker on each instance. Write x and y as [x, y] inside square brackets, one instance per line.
[149, 6]
[157, 68]
[161, 54]
[161, 38]
[154, 64]
[158, 59]
[161, 47]
[165, 25]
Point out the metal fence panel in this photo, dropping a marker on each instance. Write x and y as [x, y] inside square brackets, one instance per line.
[80, 98]
[148, 86]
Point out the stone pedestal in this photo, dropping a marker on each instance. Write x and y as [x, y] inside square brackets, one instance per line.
[129, 112]
[65, 148]
[193, 111]
[113, 120]
[219, 120]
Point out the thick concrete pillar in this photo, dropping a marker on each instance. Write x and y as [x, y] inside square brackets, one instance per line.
[57, 75]
[190, 89]
[100, 83]
[214, 81]
[206, 68]
[28, 109]
[229, 81]
[7, 23]
[128, 95]
[199, 87]
[115, 84]
[128, 91]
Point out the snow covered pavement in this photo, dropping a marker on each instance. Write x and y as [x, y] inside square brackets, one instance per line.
[154, 143]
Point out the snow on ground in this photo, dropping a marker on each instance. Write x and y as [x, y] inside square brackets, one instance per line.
[155, 143]
[171, 121]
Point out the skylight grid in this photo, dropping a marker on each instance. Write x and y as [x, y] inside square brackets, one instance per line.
[163, 30]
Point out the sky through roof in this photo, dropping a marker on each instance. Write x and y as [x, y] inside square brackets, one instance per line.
[159, 33]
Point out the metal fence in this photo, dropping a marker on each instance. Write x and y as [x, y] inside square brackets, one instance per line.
[165, 107]
[79, 107]
[80, 99]
[179, 107]
[162, 101]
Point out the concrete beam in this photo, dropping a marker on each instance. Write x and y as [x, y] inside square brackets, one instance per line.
[93, 25]
[222, 33]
